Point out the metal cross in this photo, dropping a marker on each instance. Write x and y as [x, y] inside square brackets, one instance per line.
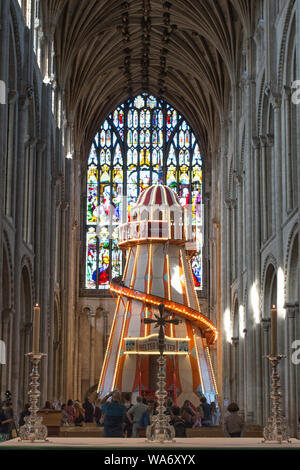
[161, 322]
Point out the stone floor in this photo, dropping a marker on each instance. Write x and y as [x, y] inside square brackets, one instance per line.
[119, 443]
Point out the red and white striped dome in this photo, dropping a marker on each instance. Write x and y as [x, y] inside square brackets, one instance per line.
[158, 195]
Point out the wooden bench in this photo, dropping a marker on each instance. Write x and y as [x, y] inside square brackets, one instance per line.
[51, 419]
[87, 430]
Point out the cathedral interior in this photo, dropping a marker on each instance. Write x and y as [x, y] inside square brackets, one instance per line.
[101, 99]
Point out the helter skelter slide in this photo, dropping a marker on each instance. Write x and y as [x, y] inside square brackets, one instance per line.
[159, 244]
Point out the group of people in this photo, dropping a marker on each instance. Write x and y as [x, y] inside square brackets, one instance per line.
[122, 418]
[75, 412]
[7, 423]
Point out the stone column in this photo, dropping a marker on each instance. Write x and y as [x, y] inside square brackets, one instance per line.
[235, 368]
[7, 319]
[263, 185]
[64, 289]
[250, 92]
[4, 70]
[225, 282]
[105, 331]
[92, 321]
[233, 238]
[38, 211]
[229, 228]
[256, 202]
[52, 259]
[241, 373]
[287, 131]
[45, 240]
[291, 395]
[276, 103]
[256, 267]
[240, 263]
[265, 370]
[15, 382]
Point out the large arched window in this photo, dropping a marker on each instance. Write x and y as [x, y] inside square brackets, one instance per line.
[144, 141]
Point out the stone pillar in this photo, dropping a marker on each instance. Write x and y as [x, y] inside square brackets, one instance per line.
[241, 373]
[256, 268]
[291, 396]
[235, 368]
[92, 321]
[225, 286]
[52, 259]
[276, 103]
[287, 132]
[7, 320]
[256, 202]
[263, 185]
[265, 370]
[250, 92]
[105, 331]
[45, 287]
[64, 289]
[38, 211]
[15, 380]
[4, 70]
[233, 238]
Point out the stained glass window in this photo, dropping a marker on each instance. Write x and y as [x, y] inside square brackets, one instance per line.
[144, 141]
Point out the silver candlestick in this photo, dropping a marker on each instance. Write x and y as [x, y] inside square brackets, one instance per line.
[160, 428]
[33, 429]
[276, 429]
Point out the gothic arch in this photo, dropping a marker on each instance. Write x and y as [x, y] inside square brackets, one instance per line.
[57, 351]
[9, 261]
[27, 264]
[285, 75]
[17, 45]
[26, 307]
[269, 296]
[13, 64]
[242, 146]
[235, 316]
[260, 104]
[283, 55]
[269, 266]
[292, 266]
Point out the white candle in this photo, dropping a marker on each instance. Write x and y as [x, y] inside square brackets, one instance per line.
[36, 329]
[273, 331]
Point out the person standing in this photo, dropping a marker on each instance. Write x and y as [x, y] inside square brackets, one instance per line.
[70, 411]
[177, 422]
[187, 414]
[6, 422]
[88, 410]
[215, 414]
[79, 414]
[114, 414]
[135, 413]
[127, 421]
[234, 424]
[146, 418]
[206, 420]
[23, 414]
[98, 413]
[64, 415]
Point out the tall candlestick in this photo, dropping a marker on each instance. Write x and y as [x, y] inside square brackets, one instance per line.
[273, 331]
[36, 329]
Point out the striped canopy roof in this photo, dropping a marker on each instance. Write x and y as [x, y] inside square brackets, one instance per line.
[158, 195]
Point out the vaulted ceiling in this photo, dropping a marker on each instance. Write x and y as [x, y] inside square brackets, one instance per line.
[186, 51]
